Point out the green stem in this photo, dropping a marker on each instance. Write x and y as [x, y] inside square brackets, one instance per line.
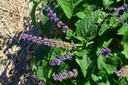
[75, 37]
[79, 44]
[117, 58]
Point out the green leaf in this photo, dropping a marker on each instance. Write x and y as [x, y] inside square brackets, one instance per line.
[123, 29]
[45, 25]
[125, 16]
[84, 63]
[69, 34]
[104, 28]
[85, 12]
[87, 83]
[123, 81]
[55, 52]
[35, 4]
[33, 13]
[42, 72]
[101, 62]
[67, 6]
[86, 29]
[76, 2]
[80, 52]
[105, 40]
[113, 22]
[103, 72]
[80, 14]
[104, 64]
[101, 16]
[125, 51]
[95, 78]
[110, 68]
[125, 38]
[107, 2]
[108, 25]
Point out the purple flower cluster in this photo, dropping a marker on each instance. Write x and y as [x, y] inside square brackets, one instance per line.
[122, 72]
[49, 42]
[66, 75]
[59, 60]
[51, 14]
[34, 76]
[121, 11]
[105, 52]
[53, 17]
[41, 83]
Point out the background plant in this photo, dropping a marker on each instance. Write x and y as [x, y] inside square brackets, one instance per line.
[92, 33]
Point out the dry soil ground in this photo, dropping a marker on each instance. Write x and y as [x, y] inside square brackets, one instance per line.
[15, 54]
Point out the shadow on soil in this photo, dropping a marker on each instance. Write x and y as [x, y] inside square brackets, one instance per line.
[20, 74]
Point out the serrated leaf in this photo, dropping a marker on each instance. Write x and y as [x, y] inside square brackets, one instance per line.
[85, 12]
[125, 38]
[67, 6]
[110, 68]
[69, 34]
[55, 52]
[123, 81]
[76, 2]
[102, 63]
[105, 27]
[125, 16]
[103, 72]
[105, 40]
[80, 52]
[125, 51]
[95, 78]
[107, 2]
[101, 16]
[123, 29]
[108, 25]
[42, 72]
[84, 63]
[80, 14]
[86, 29]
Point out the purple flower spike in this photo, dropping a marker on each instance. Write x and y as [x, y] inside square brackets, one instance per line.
[40, 83]
[65, 75]
[68, 57]
[47, 8]
[60, 24]
[24, 36]
[121, 21]
[34, 76]
[49, 42]
[105, 52]
[56, 61]
[51, 14]
[125, 6]
[65, 28]
[123, 72]
[121, 11]
[53, 17]
[59, 60]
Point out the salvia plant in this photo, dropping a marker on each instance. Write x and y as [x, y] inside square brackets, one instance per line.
[85, 42]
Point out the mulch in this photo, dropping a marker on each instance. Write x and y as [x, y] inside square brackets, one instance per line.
[15, 53]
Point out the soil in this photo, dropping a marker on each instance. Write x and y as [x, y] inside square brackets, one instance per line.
[15, 53]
